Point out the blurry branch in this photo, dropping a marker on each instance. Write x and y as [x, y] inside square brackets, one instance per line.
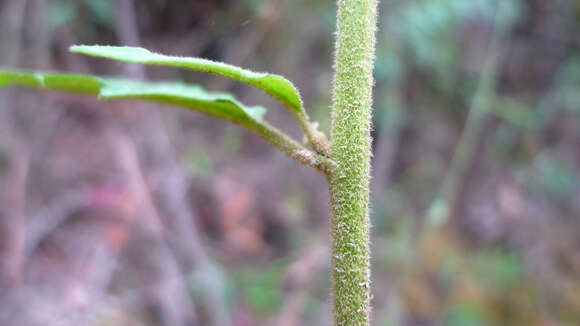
[299, 279]
[39, 49]
[183, 229]
[14, 180]
[14, 207]
[126, 152]
[165, 293]
[11, 20]
[444, 203]
[137, 298]
[250, 39]
[11, 23]
[126, 27]
[386, 148]
[51, 217]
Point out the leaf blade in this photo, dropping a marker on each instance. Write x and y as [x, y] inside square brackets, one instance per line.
[274, 85]
[222, 105]
[193, 97]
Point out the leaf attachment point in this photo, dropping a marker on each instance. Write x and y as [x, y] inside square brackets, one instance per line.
[193, 97]
[274, 85]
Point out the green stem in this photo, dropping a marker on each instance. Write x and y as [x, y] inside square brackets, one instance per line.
[351, 151]
[316, 139]
[290, 147]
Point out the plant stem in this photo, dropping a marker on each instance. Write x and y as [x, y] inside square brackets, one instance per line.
[351, 151]
[316, 138]
[290, 147]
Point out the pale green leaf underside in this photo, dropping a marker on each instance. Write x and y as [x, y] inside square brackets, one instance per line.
[194, 97]
[276, 86]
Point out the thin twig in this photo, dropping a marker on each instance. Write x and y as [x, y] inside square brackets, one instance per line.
[444, 203]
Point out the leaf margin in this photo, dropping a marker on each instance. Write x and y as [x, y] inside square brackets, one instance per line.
[193, 97]
[274, 85]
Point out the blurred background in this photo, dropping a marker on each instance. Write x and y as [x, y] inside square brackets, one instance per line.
[127, 213]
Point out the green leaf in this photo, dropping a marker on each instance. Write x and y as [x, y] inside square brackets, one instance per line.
[194, 97]
[59, 82]
[221, 105]
[276, 86]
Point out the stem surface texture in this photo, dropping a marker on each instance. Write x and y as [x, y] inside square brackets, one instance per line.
[351, 151]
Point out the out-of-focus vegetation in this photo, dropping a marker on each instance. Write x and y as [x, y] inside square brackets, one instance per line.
[124, 214]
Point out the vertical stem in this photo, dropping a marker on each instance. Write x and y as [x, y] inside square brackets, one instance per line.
[350, 149]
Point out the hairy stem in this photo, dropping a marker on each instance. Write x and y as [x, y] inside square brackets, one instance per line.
[290, 147]
[316, 139]
[351, 150]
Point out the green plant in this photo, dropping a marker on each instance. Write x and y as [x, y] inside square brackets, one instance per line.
[344, 161]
